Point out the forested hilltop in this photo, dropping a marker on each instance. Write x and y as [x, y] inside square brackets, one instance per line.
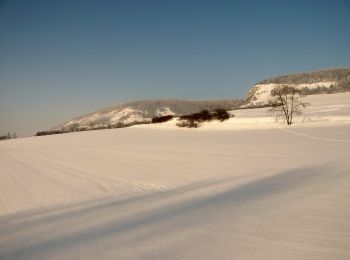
[339, 76]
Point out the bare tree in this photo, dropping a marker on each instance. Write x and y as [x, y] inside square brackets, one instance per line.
[286, 103]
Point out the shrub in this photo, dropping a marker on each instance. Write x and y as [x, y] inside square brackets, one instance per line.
[52, 132]
[203, 115]
[8, 136]
[220, 114]
[162, 119]
[194, 120]
[187, 123]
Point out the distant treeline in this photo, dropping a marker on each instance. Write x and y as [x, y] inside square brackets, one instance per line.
[8, 136]
[77, 128]
[339, 75]
[342, 86]
[161, 119]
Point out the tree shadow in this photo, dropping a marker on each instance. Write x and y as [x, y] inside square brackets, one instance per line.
[115, 219]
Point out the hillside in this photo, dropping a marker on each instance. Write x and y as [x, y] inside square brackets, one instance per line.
[143, 111]
[325, 81]
[325, 75]
[324, 110]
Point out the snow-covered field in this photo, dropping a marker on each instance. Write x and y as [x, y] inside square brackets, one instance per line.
[158, 192]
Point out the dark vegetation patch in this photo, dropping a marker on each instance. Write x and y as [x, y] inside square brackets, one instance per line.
[75, 128]
[194, 120]
[8, 137]
[162, 119]
[338, 75]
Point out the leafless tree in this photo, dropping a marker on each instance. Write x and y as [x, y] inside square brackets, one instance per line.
[286, 103]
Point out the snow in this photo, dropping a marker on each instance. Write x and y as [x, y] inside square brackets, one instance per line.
[164, 111]
[263, 91]
[125, 115]
[325, 84]
[262, 94]
[158, 192]
[324, 110]
[128, 111]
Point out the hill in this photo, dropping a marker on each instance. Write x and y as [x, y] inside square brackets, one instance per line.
[143, 111]
[328, 81]
[325, 81]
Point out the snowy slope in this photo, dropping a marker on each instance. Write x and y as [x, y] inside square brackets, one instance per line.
[260, 94]
[333, 80]
[323, 110]
[144, 193]
[143, 111]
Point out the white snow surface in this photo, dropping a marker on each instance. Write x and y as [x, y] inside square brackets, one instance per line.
[158, 192]
[262, 92]
[164, 111]
[125, 115]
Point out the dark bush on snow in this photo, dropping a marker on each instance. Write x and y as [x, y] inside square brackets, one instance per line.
[203, 115]
[194, 120]
[80, 129]
[220, 114]
[52, 132]
[162, 119]
[187, 123]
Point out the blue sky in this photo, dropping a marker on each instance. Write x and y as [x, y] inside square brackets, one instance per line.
[60, 59]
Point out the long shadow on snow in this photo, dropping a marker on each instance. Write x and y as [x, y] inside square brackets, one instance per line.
[242, 195]
[31, 218]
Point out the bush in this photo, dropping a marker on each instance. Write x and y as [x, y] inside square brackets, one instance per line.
[187, 123]
[203, 115]
[220, 114]
[77, 128]
[52, 132]
[162, 119]
[8, 136]
[194, 120]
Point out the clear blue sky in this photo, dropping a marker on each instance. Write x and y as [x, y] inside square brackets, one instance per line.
[60, 59]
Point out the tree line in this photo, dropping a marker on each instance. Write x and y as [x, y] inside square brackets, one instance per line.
[8, 136]
[77, 128]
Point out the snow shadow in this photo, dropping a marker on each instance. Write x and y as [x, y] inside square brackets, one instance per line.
[130, 221]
